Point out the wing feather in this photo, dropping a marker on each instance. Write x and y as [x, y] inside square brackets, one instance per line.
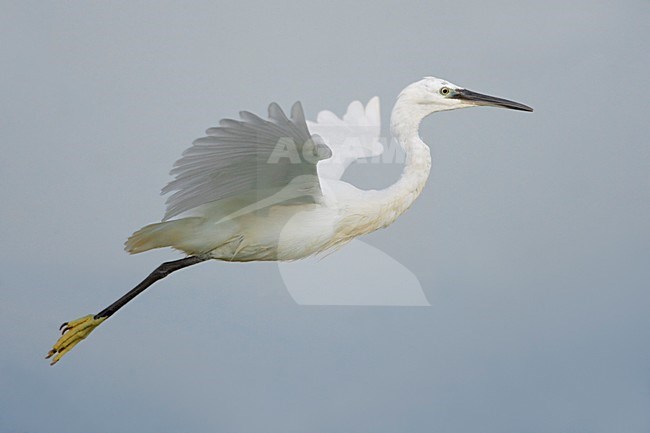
[235, 159]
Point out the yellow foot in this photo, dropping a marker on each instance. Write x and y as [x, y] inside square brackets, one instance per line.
[72, 333]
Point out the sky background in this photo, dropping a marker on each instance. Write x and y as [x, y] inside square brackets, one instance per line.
[531, 239]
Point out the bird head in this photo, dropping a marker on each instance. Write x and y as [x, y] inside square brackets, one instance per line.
[435, 94]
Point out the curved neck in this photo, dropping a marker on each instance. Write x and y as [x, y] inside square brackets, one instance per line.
[404, 125]
[390, 203]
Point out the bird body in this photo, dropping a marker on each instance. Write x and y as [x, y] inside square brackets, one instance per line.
[280, 232]
[258, 189]
[227, 230]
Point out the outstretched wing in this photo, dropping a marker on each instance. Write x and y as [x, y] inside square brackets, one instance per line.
[352, 137]
[250, 158]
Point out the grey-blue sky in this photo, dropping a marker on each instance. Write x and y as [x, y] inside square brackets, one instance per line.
[531, 239]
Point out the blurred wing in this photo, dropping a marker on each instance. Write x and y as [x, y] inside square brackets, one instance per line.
[250, 158]
[354, 136]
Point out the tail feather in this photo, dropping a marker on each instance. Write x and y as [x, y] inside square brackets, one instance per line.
[160, 235]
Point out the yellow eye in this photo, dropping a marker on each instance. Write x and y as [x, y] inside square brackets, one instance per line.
[445, 91]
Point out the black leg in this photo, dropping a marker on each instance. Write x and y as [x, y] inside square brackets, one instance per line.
[77, 330]
[158, 274]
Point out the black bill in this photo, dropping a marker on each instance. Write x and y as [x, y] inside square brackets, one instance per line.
[480, 99]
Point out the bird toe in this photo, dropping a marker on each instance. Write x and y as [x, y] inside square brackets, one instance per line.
[71, 334]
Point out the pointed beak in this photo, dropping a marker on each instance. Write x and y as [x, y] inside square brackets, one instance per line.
[480, 99]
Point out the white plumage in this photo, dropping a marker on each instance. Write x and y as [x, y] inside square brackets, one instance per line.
[271, 189]
[251, 196]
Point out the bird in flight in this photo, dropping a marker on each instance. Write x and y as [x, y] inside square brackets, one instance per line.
[257, 189]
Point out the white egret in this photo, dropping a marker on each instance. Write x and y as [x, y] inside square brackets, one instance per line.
[256, 189]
